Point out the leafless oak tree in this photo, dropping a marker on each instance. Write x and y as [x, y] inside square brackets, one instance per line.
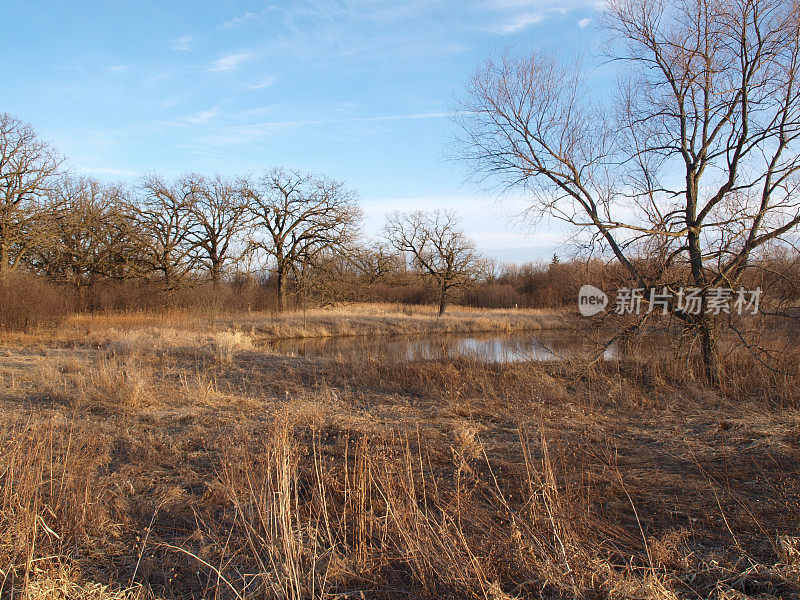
[164, 218]
[297, 216]
[695, 163]
[218, 218]
[376, 262]
[28, 167]
[438, 248]
[87, 233]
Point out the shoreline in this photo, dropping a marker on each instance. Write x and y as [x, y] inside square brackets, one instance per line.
[347, 321]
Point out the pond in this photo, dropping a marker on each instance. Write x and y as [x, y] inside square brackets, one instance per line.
[488, 347]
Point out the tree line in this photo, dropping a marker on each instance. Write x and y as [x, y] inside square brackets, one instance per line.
[300, 231]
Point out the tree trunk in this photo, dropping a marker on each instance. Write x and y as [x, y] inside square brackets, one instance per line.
[4, 260]
[216, 266]
[442, 300]
[708, 349]
[281, 276]
[704, 329]
[215, 275]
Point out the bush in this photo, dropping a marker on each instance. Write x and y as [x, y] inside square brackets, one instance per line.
[493, 295]
[27, 302]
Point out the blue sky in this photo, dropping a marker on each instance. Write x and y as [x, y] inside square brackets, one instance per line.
[357, 89]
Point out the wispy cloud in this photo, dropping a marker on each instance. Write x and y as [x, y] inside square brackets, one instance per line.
[157, 77]
[230, 62]
[203, 115]
[245, 19]
[182, 44]
[517, 23]
[243, 134]
[109, 171]
[260, 127]
[412, 116]
[375, 119]
[512, 16]
[266, 82]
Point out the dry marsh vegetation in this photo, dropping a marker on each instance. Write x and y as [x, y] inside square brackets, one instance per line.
[182, 460]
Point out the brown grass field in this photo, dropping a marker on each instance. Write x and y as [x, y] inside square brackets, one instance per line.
[174, 455]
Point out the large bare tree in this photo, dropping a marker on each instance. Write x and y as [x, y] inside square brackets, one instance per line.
[219, 216]
[297, 217]
[164, 217]
[695, 162]
[437, 247]
[87, 234]
[376, 262]
[28, 167]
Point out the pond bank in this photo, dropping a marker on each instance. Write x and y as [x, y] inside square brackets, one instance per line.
[354, 320]
[394, 320]
[491, 347]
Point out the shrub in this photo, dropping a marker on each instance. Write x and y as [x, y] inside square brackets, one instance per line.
[27, 302]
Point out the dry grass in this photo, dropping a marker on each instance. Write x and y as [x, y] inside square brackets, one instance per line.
[388, 319]
[346, 320]
[182, 461]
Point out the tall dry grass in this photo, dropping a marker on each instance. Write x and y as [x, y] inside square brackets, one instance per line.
[53, 510]
[28, 302]
[173, 328]
[296, 521]
[381, 516]
[391, 319]
[185, 463]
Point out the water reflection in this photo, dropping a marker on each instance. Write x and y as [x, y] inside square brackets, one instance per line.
[512, 347]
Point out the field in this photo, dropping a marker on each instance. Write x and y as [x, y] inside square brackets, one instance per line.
[174, 455]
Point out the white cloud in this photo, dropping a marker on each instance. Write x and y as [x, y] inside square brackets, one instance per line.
[203, 115]
[493, 223]
[157, 77]
[230, 62]
[108, 171]
[512, 16]
[430, 115]
[245, 19]
[266, 82]
[542, 5]
[517, 23]
[256, 128]
[251, 132]
[183, 43]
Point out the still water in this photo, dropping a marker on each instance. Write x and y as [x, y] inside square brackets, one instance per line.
[493, 347]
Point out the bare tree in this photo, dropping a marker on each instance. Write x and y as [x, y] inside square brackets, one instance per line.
[694, 164]
[164, 216]
[88, 233]
[298, 216]
[219, 216]
[27, 169]
[438, 248]
[376, 262]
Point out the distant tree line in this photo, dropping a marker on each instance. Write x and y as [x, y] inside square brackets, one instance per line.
[281, 239]
[288, 237]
